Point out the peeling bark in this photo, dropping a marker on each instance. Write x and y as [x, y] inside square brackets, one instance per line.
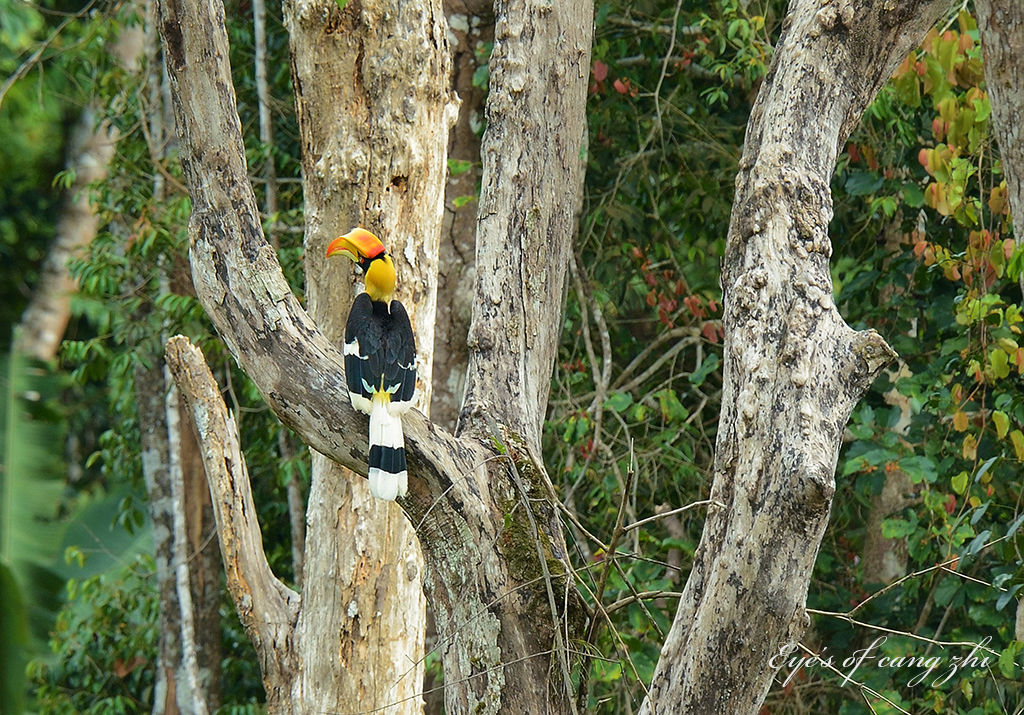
[793, 369]
[379, 165]
[481, 504]
[202, 559]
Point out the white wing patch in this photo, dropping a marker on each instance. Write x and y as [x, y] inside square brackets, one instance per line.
[352, 348]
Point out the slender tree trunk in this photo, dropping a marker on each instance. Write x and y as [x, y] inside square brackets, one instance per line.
[793, 368]
[188, 573]
[1001, 23]
[149, 393]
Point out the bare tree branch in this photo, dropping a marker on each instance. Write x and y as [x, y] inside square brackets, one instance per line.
[266, 606]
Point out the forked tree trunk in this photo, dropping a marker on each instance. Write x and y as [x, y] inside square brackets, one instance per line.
[793, 368]
[497, 569]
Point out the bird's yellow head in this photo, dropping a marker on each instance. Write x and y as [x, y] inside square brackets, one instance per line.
[367, 250]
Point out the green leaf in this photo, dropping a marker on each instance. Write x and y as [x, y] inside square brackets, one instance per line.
[986, 465]
[913, 196]
[1015, 525]
[980, 512]
[946, 590]
[978, 543]
[1006, 596]
[709, 365]
[618, 401]
[897, 528]
[458, 167]
[1017, 438]
[481, 76]
[13, 624]
[959, 483]
[1006, 658]
[861, 183]
[1000, 365]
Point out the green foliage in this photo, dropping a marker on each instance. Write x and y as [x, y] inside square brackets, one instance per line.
[104, 645]
[31, 490]
[638, 380]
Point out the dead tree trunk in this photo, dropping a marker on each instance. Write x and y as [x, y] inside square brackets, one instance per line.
[497, 569]
[793, 369]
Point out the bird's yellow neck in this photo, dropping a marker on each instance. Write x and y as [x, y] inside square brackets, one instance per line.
[380, 279]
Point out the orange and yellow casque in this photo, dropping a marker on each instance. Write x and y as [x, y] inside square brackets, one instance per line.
[368, 251]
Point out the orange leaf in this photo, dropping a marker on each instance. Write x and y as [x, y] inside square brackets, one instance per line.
[960, 421]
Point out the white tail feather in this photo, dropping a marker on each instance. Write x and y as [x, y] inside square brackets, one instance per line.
[386, 432]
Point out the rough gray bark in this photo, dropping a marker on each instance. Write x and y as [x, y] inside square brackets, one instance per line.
[793, 369]
[1001, 23]
[521, 257]
[481, 504]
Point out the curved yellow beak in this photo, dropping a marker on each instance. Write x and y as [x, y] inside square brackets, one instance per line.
[356, 244]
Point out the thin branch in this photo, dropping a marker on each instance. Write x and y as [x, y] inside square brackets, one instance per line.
[642, 595]
[613, 543]
[259, 17]
[906, 634]
[655, 27]
[33, 59]
[680, 510]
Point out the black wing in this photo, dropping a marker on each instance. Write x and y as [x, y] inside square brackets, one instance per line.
[400, 355]
[380, 351]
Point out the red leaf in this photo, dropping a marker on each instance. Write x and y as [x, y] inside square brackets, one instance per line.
[600, 70]
[620, 86]
[950, 504]
[710, 332]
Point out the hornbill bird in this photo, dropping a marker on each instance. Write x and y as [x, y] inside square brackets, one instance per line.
[380, 360]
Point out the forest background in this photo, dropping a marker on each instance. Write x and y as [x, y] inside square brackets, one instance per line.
[924, 545]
